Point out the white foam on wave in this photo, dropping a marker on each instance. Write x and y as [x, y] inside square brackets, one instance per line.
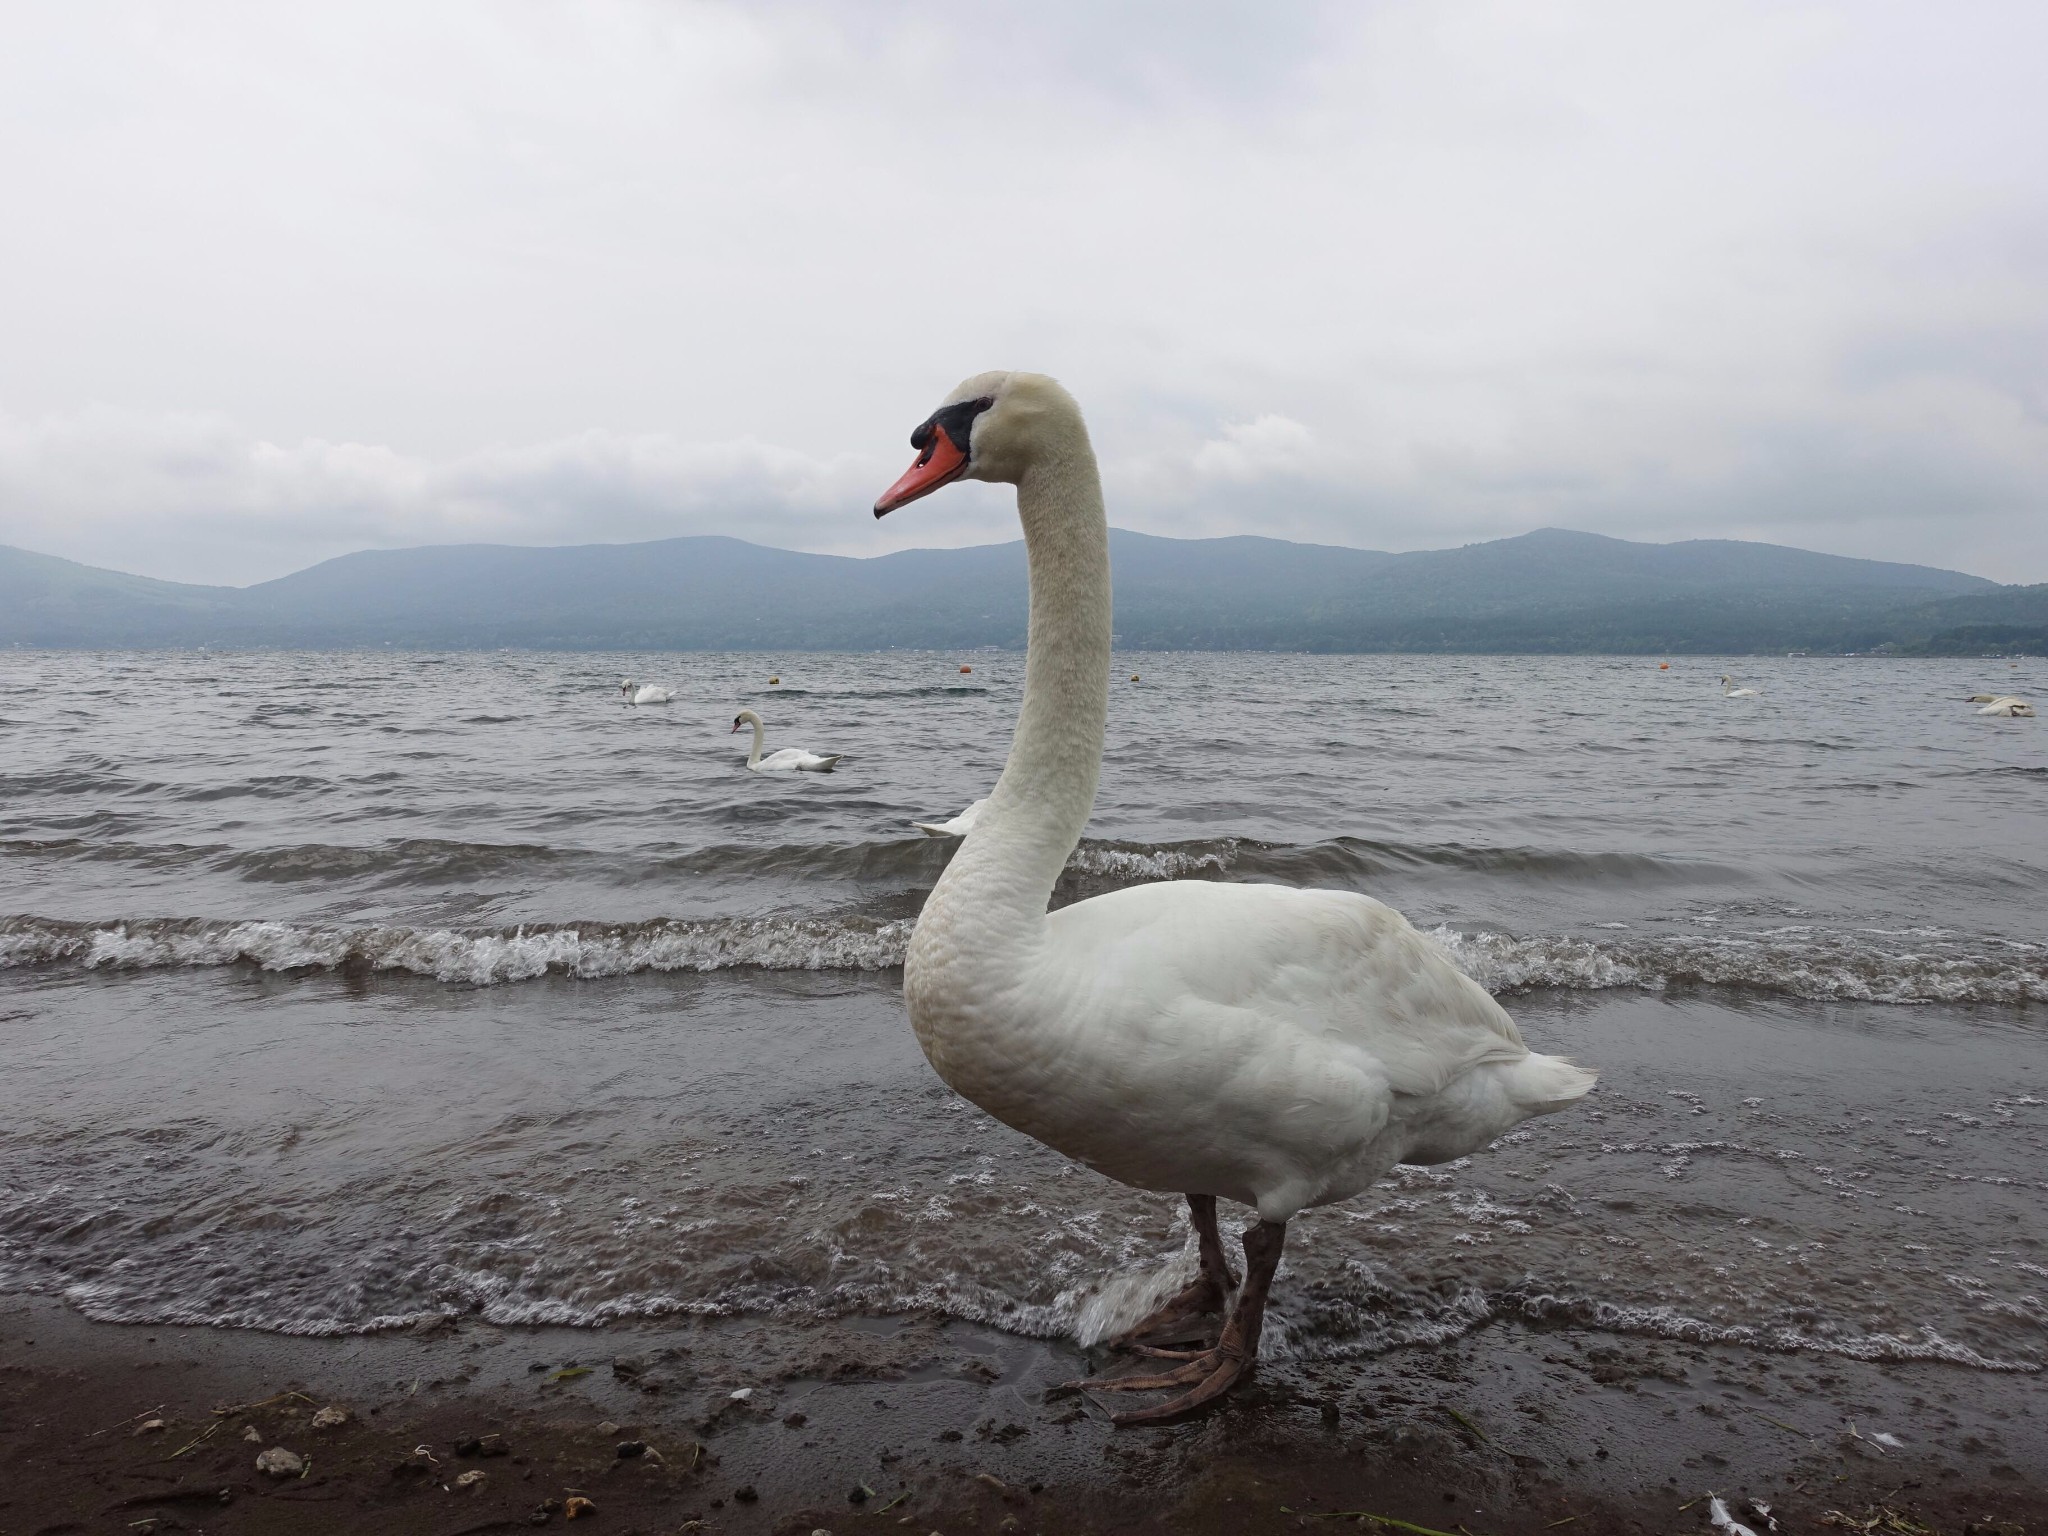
[475, 957]
[1108, 861]
[1800, 963]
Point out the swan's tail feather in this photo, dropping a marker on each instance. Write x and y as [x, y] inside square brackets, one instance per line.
[929, 830]
[1542, 1085]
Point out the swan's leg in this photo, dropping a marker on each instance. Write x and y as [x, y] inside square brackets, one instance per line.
[1209, 1292]
[1209, 1375]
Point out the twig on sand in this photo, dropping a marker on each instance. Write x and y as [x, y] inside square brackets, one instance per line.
[227, 1409]
[1781, 1424]
[197, 1440]
[1366, 1514]
[891, 1504]
[1567, 1520]
[146, 1413]
[1879, 1518]
[1477, 1432]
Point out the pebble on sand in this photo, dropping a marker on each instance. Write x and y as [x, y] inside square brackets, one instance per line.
[150, 1427]
[253, 1435]
[578, 1505]
[279, 1462]
[329, 1417]
[470, 1478]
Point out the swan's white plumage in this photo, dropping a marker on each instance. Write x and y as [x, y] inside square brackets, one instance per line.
[784, 760]
[1730, 691]
[1279, 1047]
[958, 826]
[2010, 708]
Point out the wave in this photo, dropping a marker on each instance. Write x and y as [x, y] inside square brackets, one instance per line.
[1315, 1328]
[1817, 964]
[1343, 861]
[1811, 964]
[476, 957]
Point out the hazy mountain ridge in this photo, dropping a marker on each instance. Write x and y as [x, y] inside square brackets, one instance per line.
[1551, 590]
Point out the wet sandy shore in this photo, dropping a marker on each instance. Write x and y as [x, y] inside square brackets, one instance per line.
[923, 1425]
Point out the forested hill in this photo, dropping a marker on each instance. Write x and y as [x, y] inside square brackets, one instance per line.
[1550, 590]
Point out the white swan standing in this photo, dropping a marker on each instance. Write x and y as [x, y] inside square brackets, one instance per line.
[1278, 1047]
[1730, 691]
[643, 693]
[788, 759]
[959, 826]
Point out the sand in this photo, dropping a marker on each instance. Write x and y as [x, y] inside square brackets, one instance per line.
[922, 1425]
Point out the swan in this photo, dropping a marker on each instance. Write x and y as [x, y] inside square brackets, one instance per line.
[1728, 691]
[2011, 709]
[1993, 698]
[643, 693]
[1281, 1048]
[958, 826]
[788, 759]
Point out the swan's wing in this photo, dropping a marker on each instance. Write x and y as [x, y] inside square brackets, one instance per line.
[1332, 966]
[782, 760]
[811, 762]
[1272, 1045]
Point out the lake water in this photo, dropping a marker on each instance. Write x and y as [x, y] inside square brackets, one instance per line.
[340, 988]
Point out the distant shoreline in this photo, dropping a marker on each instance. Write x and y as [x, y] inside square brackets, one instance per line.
[1552, 592]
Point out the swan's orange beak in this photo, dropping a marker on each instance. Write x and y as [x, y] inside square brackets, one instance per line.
[939, 462]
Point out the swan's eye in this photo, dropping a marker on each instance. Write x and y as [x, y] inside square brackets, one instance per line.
[956, 421]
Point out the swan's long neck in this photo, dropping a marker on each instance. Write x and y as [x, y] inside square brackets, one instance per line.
[754, 756]
[995, 890]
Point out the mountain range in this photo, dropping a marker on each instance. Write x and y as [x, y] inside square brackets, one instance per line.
[1547, 591]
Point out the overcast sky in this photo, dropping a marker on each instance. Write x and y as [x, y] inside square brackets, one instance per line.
[279, 281]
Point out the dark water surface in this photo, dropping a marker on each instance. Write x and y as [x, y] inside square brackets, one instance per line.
[335, 989]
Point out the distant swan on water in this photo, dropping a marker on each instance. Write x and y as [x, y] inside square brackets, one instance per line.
[958, 826]
[2009, 707]
[1730, 691]
[643, 693]
[788, 759]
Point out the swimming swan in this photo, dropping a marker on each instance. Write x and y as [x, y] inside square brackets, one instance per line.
[788, 759]
[647, 694]
[1729, 692]
[1278, 1047]
[2011, 708]
[1994, 698]
[958, 826]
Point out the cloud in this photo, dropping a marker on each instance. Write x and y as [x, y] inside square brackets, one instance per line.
[1253, 450]
[292, 281]
[199, 498]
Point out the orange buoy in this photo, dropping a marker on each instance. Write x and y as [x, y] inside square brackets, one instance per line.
[965, 670]
[1663, 666]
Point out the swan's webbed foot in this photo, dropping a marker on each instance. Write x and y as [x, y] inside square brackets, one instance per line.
[1211, 1373]
[1180, 1316]
[1220, 1371]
